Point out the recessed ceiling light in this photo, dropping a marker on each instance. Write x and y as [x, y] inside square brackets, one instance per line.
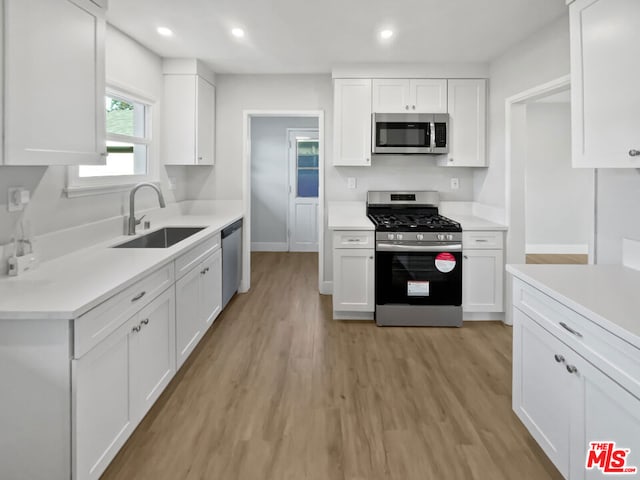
[386, 34]
[237, 32]
[165, 32]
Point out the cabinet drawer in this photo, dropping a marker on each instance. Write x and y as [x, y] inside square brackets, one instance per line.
[95, 325]
[194, 256]
[615, 357]
[354, 239]
[489, 240]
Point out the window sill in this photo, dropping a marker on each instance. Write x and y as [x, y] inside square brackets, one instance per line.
[89, 190]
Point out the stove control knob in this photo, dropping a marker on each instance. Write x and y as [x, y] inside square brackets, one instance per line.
[390, 236]
[399, 236]
[449, 237]
[441, 236]
[419, 236]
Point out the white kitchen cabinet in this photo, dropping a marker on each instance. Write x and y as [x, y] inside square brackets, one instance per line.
[467, 107]
[605, 100]
[420, 95]
[353, 273]
[352, 122]
[482, 271]
[198, 303]
[188, 120]
[118, 381]
[54, 82]
[573, 382]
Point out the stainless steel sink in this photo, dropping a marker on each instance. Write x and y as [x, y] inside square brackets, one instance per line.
[162, 238]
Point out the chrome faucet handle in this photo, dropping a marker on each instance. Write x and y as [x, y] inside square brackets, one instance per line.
[139, 220]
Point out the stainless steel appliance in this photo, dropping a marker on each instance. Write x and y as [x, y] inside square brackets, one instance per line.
[231, 260]
[418, 271]
[410, 133]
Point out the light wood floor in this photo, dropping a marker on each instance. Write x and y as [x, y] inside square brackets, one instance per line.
[558, 258]
[277, 390]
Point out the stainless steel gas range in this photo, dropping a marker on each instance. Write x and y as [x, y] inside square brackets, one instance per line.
[418, 260]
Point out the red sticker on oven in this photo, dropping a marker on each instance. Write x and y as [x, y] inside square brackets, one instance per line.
[445, 262]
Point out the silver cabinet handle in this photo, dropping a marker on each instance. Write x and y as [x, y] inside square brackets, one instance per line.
[451, 159]
[413, 106]
[136, 329]
[145, 322]
[406, 107]
[571, 330]
[465, 257]
[104, 154]
[559, 358]
[481, 240]
[572, 369]
[202, 272]
[370, 258]
[138, 297]
[634, 153]
[367, 160]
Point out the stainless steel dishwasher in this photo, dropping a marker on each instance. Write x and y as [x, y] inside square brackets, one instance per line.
[231, 260]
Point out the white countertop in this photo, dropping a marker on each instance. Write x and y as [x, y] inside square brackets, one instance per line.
[472, 223]
[606, 294]
[348, 216]
[68, 286]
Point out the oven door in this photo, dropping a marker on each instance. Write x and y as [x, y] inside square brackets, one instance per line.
[400, 133]
[408, 275]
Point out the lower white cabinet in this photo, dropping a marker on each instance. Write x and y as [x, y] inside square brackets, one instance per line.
[353, 279]
[566, 395]
[482, 271]
[198, 303]
[117, 382]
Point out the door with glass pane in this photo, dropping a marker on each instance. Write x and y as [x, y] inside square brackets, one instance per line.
[304, 178]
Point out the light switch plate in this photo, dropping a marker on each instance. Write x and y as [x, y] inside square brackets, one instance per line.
[455, 184]
[351, 182]
[17, 198]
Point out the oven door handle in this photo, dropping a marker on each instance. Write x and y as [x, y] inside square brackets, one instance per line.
[393, 247]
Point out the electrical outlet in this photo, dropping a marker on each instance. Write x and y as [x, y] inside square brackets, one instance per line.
[351, 182]
[17, 198]
[455, 184]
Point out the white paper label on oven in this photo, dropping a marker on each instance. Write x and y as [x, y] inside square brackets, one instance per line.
[417, 289]
[445, 262]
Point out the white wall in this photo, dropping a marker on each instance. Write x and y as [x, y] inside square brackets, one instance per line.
[128, 63]
[617, 217]
[542, 57]
[555, 193]
[270, 177]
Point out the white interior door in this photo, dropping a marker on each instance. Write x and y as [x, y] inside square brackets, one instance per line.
[304, 171]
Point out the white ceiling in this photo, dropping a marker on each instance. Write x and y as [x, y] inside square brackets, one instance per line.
[310, 36]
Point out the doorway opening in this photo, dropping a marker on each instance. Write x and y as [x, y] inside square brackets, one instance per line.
[550, 205]
[283, 183]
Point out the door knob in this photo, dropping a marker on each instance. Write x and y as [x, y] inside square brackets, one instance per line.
[634, 153]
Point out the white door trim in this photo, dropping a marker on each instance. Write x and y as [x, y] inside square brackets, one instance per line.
[247, 115]
[514, 176]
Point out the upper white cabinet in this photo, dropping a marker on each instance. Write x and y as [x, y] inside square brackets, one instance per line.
[54, 82]
[605, 98]
[467, 107]
[188, 114]
[352, 122]
[409, 95]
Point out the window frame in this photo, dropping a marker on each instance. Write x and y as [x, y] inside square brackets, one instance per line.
[78, 186]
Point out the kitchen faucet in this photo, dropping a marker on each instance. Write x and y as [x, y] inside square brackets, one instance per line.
[132, 209]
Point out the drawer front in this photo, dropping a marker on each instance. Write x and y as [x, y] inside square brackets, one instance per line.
[482, 240]
[194, 256]
[614, 356]
[95, 325]
[354, 239]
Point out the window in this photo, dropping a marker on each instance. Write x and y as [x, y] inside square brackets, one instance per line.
[307, 168]
[128, 126]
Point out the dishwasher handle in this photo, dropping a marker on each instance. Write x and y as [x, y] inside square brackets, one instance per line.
[231, 228]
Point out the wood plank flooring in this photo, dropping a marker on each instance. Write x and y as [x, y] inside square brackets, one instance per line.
[277, 390]
[557, 258]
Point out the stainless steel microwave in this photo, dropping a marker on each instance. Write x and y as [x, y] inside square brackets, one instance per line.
[410, 133]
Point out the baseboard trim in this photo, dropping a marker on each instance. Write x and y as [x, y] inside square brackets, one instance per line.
[358, 316]
[269, 247]
[482, 316]
[542, 248]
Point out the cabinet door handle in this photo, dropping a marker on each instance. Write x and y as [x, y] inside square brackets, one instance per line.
[202, 272]
[481, 240]
[367, 160]
[371, 258]
[572, 369]
[145, 322]
[413, 106]
[465, 257]
[571, 330]
[138, 297]
[406, 107]
[634, 153]
[136, 329]
[559, 358]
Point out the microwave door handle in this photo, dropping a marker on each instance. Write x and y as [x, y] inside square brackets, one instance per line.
[432, 139]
